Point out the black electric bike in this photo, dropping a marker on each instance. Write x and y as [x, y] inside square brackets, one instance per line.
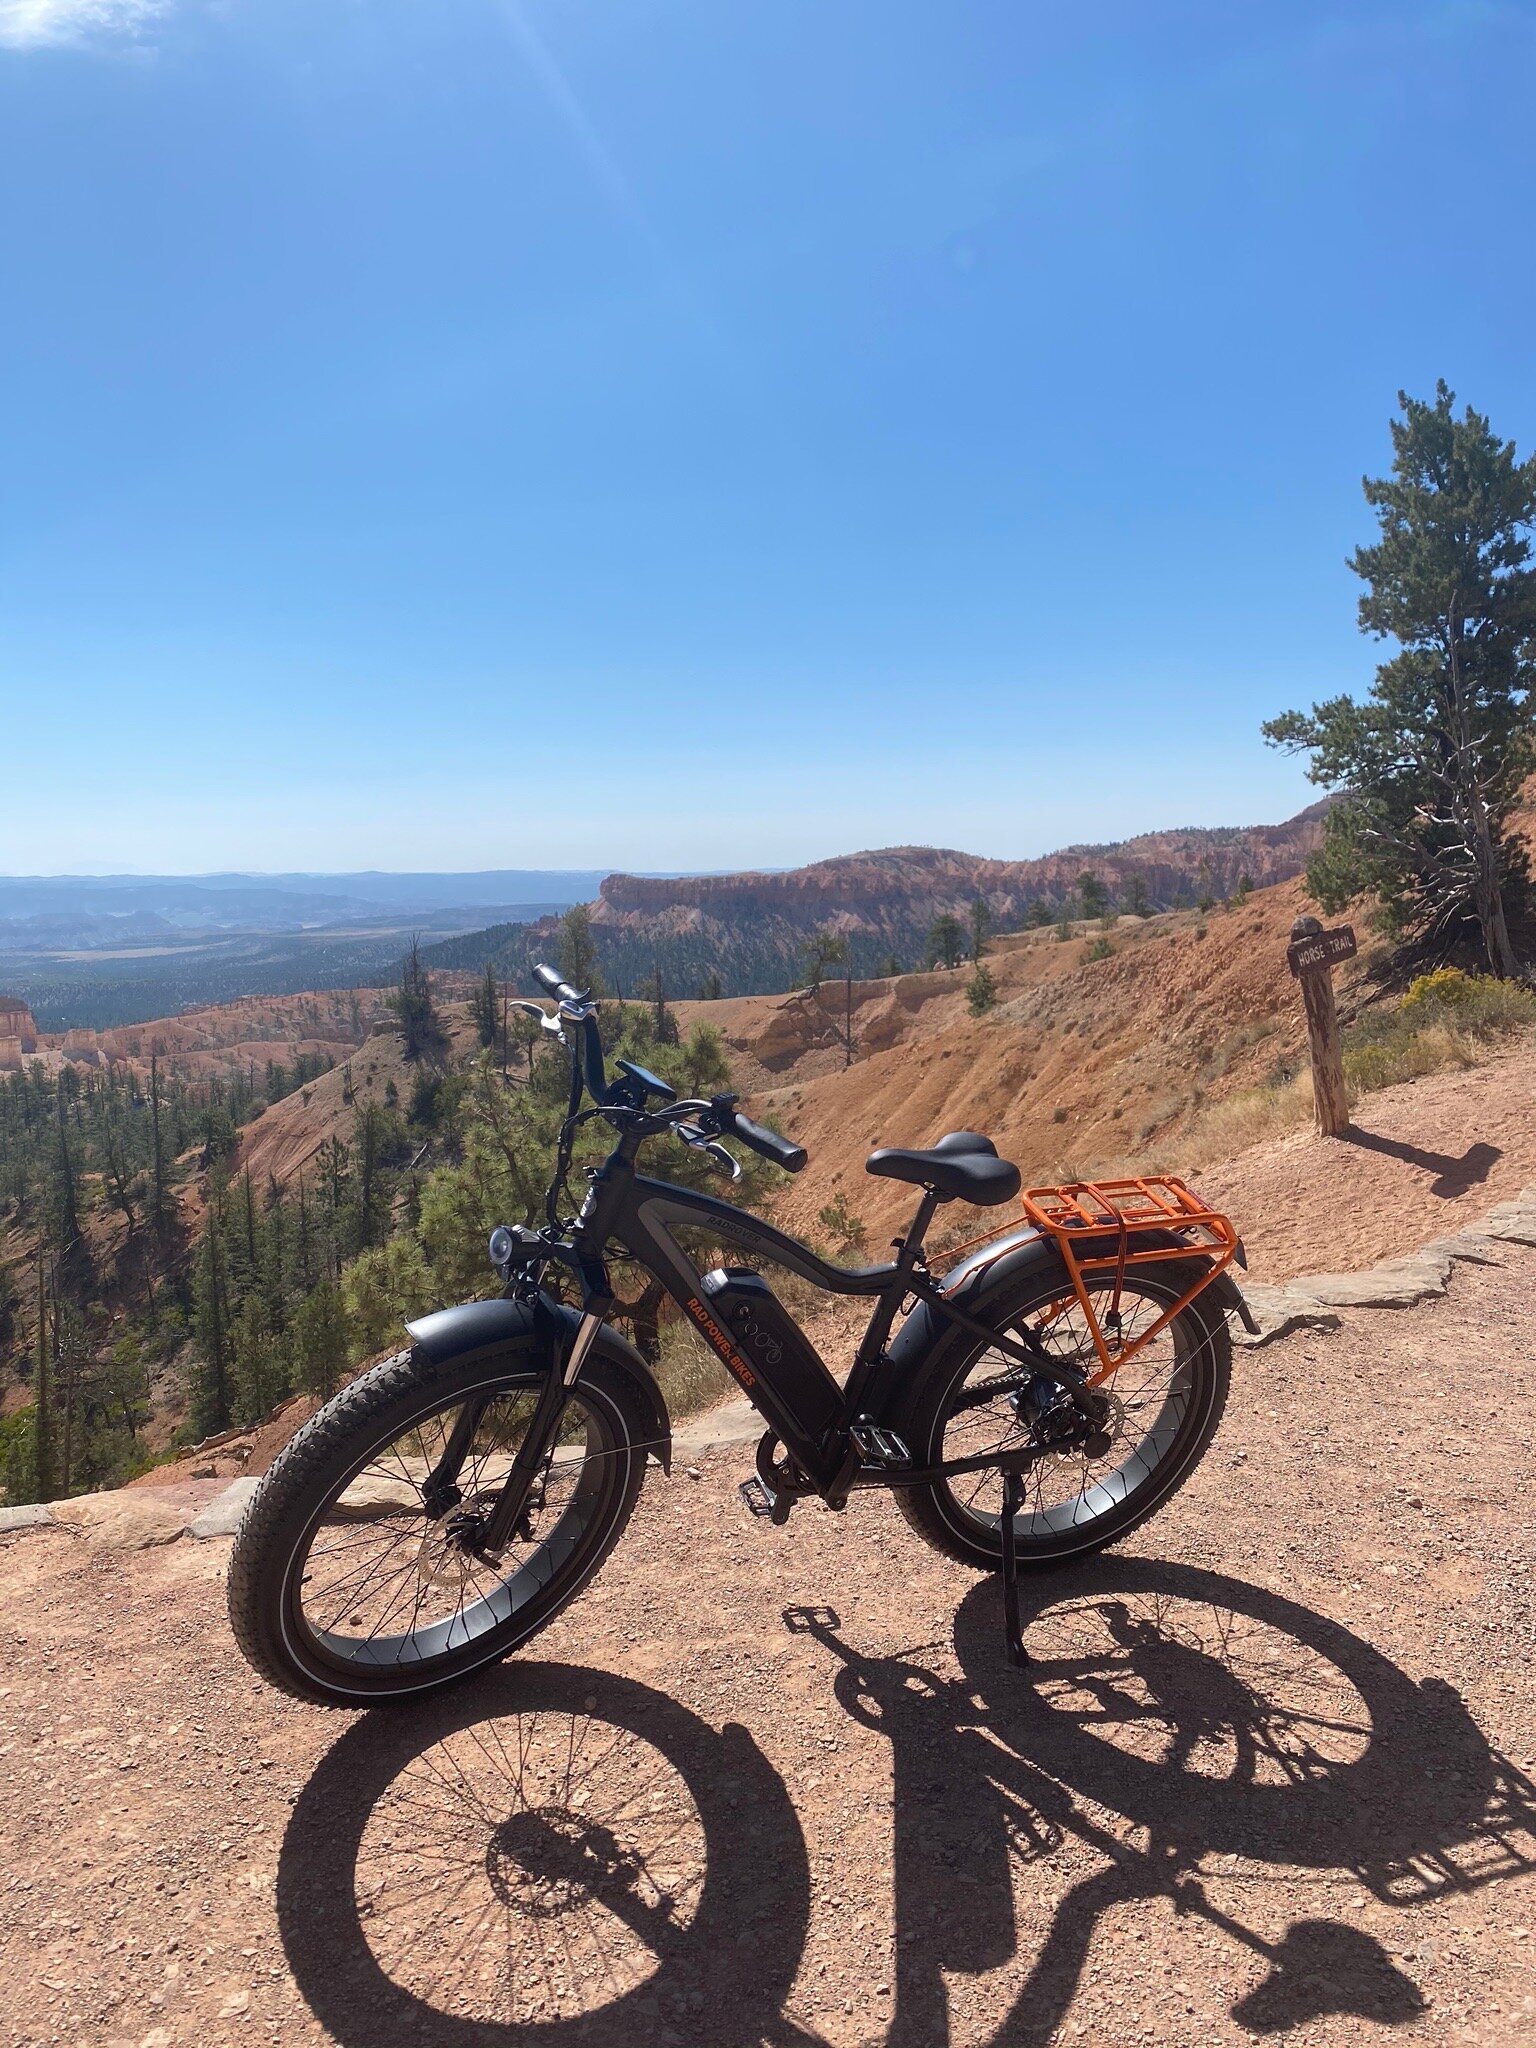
[451, 1500]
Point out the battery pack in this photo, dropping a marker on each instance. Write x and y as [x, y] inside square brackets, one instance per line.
[791, 1385]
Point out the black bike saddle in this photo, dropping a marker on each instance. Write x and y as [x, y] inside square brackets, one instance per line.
[963, 1166]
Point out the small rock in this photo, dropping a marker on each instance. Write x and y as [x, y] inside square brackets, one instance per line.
[694, 1472]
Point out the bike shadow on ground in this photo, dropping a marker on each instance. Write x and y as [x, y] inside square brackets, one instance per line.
[1231, 1734]
[547, 1854]
[553, 1855]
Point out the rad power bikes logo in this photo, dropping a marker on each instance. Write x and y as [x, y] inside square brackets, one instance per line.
[734, 1362]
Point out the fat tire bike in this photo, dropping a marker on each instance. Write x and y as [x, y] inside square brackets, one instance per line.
[452, 1499]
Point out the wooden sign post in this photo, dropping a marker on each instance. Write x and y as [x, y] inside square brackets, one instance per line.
[1311, 955]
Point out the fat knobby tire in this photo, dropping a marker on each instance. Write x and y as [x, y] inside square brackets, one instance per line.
[920, 1419]
[328, 1450]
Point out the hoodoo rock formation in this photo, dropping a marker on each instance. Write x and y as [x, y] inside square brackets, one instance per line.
[18, 1034]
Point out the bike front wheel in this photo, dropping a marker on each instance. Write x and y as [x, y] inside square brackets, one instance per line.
[350, 1583]
[969, 1400]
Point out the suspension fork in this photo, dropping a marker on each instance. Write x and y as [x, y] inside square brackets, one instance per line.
[543, 1427]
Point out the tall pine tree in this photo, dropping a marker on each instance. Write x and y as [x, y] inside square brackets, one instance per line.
[1431, 762]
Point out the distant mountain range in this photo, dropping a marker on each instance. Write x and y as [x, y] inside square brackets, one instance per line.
[751, 929]
[101, 950]
[41, 913]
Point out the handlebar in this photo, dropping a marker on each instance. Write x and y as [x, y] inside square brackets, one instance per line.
[579, 1009]
[549, 979]
[723, 1118]
[767, 1144]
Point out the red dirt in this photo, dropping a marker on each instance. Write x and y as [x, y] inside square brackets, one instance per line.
[1420, 1160]
[1271, 1775]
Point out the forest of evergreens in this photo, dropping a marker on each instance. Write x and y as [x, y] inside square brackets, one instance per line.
[115, 1309]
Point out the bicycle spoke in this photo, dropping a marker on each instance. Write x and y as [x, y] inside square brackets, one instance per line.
[403, 1587]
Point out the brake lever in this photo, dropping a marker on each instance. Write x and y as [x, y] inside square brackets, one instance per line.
[723, 1158]
[700, 1141]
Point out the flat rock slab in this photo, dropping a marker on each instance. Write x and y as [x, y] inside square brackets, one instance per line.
[1278, 1311]
[1513, 1222]
[120, 1521]
[738, 1422]
[1395, 1286]
[222, 1515]
[1475, 1246]
[34, 1515]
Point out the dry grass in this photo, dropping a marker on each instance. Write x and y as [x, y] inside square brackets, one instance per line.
[1249, 1119]
[1446, 1021]
[691, 1378]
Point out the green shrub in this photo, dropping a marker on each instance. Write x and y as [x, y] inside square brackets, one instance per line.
[980, 990]
[848, 1232]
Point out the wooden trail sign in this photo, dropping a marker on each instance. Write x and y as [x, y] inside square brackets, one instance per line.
[1325, 949]
[1312, 954]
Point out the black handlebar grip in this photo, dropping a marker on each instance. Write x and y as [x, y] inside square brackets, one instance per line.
[768, 1144]
[550, 979]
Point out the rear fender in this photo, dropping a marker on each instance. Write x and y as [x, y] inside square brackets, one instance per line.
[549, 1328]
[994, 1271]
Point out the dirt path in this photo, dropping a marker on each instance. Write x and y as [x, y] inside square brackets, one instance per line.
[1272, 1777]
[1421, 1159]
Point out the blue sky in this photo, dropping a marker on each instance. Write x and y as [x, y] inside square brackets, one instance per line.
[510, 433]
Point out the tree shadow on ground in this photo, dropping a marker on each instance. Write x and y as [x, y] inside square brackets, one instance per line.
[1217, 1720]
[1453, 1176]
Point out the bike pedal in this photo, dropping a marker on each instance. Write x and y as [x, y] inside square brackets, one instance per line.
[760, 1501]
[878, 1446]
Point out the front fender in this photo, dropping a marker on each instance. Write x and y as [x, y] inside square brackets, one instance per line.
[474, 1327]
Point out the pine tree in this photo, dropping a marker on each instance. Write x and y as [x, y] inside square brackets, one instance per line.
[415, 1007]
[981, 917]
[981, 990]
[1092, 894]
[157, 1205]
[946, 941]
[211, 1395]
[823, 949]
[74, 1254]
[485, 1007]
[578, 950]
[43, 1473]
[1432, 761]
[320, 1341]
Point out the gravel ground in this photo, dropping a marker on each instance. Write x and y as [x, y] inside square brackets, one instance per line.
[1269, 1776]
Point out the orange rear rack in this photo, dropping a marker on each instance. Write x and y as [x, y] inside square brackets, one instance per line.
[1096, 1225]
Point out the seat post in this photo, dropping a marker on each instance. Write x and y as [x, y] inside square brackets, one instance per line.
[912, 1243]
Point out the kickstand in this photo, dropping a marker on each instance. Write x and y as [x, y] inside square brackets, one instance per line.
[1013, 1501]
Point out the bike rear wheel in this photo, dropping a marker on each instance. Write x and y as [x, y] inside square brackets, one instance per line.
[348, 1584]
[967, 1401]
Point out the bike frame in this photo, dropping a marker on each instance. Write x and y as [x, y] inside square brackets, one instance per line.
[641, 1217]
